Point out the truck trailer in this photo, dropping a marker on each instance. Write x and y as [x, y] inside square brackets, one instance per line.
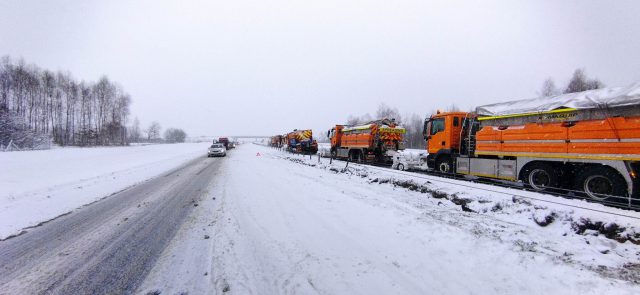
[587, 142]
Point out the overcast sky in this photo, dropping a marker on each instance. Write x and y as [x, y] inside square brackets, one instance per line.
[266, 67]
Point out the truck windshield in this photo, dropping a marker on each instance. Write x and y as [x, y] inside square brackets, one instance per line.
[437, 125]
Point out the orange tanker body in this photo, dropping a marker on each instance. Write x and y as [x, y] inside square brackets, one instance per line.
[374, 141]
[587, 141]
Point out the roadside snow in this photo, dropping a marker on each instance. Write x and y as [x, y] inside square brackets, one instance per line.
[284, 224]
[36, 186]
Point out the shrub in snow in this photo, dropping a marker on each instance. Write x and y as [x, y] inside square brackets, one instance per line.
[543, 217]
[608, 229]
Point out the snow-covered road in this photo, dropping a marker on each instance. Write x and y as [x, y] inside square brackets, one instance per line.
[280, 226]
[36, 186]
[110, 246]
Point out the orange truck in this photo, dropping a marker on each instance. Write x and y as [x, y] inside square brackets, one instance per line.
[586, 142]
[276, 141]
[375, 141]
[301, 141]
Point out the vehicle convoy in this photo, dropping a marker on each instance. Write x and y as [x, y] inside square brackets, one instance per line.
[375, 141]
[587, 142]
[217, 150]
[301, 141]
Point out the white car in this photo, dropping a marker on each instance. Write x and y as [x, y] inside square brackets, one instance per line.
[217, 150]
[410, 160]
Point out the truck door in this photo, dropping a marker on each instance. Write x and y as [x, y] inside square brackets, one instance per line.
[437, 138]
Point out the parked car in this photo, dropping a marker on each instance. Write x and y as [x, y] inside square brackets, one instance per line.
[410, 160]
[217, 150]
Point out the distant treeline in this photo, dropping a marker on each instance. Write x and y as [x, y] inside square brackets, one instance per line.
[71, 112]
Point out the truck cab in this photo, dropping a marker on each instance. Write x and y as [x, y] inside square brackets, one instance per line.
[442, 131]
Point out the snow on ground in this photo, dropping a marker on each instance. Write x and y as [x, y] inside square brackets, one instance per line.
[284, 224]
[36, 186]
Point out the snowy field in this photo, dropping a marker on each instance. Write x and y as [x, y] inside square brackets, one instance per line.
[277, 223]
[36, 186]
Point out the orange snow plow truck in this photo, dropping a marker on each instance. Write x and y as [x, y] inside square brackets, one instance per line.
[301, 141]
[375, 141]
[586, 143]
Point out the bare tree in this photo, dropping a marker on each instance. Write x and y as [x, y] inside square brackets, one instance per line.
[413, 137]
[388, 112]
[548, 88]
[579, 82]
[174, 135]
[353, 120]
[134, 131]
[153, 131]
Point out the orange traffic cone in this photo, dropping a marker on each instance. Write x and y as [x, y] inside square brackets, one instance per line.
[258, 155]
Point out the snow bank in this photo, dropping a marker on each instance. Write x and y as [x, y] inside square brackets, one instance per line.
[590, 236]
[36, 186]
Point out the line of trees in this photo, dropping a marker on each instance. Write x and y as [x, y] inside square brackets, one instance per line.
[151, 134]
[71, 112]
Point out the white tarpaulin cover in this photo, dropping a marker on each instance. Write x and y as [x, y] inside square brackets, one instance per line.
[369, 126]
[592, 99]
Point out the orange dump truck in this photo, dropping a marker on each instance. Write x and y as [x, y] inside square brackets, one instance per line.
[276, 141]
[301, 141]
[587, 142]
[374, 141]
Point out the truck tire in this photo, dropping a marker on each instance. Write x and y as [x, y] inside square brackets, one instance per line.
[360, 157]
[356, 156]
[444, 164]
[401, 167]
[601, 182]
[540, 176]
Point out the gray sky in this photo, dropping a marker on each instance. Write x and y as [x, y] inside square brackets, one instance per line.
[266, 67]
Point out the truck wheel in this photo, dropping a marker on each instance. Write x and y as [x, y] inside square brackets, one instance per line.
[361, 157]
[443, 164]
[600, 183]
[401, 167]
[356, 156]
[541, 176]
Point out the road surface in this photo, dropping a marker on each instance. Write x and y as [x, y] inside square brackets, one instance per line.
[107, 247]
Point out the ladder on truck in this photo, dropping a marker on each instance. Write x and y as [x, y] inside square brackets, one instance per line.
[468, 136]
